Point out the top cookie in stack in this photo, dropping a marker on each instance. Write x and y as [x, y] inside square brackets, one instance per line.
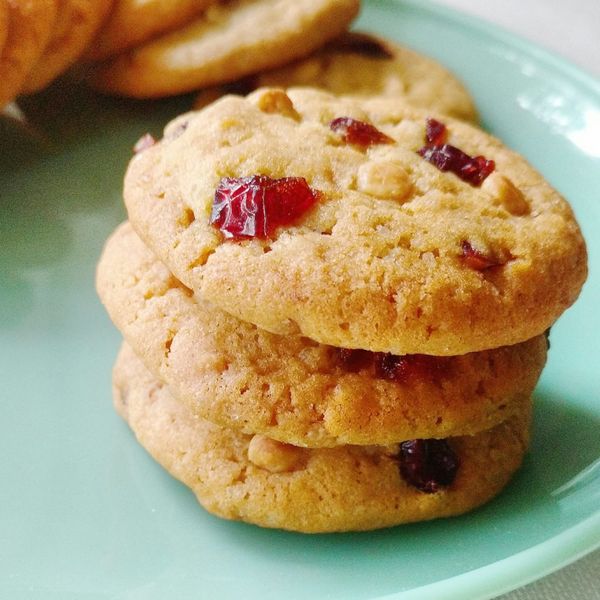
[357, 223]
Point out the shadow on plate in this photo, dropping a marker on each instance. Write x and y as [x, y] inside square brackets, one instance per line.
[561, 474]
[69, 111]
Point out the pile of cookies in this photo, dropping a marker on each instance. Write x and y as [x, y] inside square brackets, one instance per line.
[335, 307]
[150, 48]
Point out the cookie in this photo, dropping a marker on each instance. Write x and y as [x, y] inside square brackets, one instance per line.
[360, 64]
[389, 253]
[76, 23]
[292, 389]
[254, 479]
[3, 23]
[29, 27]
[227, 42]
[133, 22]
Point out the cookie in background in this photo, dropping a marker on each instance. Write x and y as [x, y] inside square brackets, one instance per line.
[76, 24]
[227, 42]
[3, 23]
[134, 22]
[27, 29]
[362, 64]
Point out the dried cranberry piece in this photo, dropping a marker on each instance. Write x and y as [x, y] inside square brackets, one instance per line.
[359, 133]
[428, 464]
[390, 366]
[255, 206]
[146, 141]
[408, 366]
[472, 169]
[435, 133]
[395, 367]
[475, 259]
[354, 360]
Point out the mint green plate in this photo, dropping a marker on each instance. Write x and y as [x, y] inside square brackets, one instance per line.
[85, 513]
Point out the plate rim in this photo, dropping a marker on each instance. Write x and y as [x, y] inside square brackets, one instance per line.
[565, 548]
[501, 34]
[515, 571]
[575, 542]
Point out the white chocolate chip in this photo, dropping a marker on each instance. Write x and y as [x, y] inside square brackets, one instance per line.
[384, 179]
[506, 193]
[429, 259]
[276, 101]
[274, 456]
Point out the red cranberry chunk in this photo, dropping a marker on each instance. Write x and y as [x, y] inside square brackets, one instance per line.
[246, 207]
[390, 366]
[354, 360]
[359, 133]
[435, 133]
[475, 259]
[409, 366]
[473, 170]
[428, 464]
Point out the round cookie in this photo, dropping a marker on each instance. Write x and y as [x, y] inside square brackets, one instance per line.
[290, 388]
[133, 22]
[346, 488]
[227, 42]
[361, 64]
[30, 24]
[394, 256]
[76, 24]
[3, 23]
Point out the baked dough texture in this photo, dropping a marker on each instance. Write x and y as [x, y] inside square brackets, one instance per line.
[377, 262]
[289, 387]
[319, 490]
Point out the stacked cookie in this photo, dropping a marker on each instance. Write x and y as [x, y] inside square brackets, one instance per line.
[227, 40]
[334, 308]
[40, 39]
[150, 48]
[362, 65]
